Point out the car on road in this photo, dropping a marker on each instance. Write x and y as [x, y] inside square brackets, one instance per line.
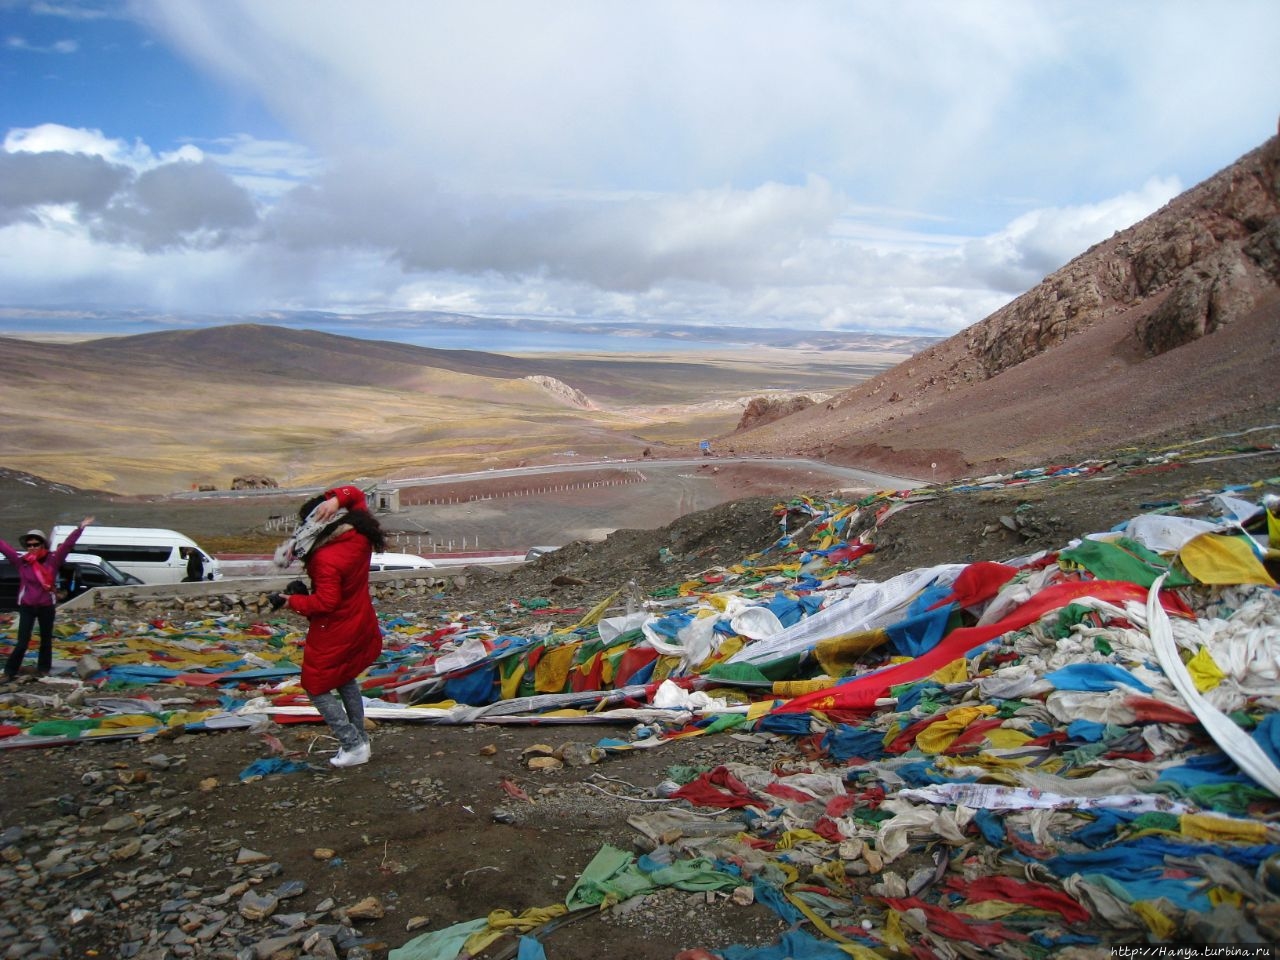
[79, 573]
[399, 561]
[536, 552]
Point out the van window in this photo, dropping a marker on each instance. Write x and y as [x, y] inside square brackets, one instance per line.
[130, 553]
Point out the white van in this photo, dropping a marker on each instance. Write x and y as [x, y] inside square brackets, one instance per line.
[151, 554]
[399, 561]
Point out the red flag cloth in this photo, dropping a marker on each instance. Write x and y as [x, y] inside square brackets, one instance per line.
[718, 788]
[784, 792]
[977, 582]
[863, 692]
[632, 662]
[952, 926]
[851, 551]
[1149, 710]
[906, 739]
[1008, 889]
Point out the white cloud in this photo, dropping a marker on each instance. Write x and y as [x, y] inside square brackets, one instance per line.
[349, 238]
[905, 166]
[1040, 241]
[58, 46]
[54, 137]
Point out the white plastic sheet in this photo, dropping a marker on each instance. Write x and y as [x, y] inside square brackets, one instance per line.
[867, 606]
[1164, 534]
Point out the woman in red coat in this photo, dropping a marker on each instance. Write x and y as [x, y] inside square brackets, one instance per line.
[335, 540]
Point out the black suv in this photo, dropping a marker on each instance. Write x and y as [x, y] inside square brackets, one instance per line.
[80, 572]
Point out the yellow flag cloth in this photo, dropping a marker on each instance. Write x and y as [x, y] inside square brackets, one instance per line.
[1220, 895]
[793, 837]
[180, 718]
[1160, 925]
[594, 614]
[663, 666]
[839, 655]
[533, 917]
[552, 672]
[936, 737]
[957, 671]
[1003, 738]
[127, 721]
[501, 921]
[1205, 673]
[1204, 826]
[727, 649]
[796, 688]
[1214, 558]
[893, 936]
[832, 870]
[511, 684]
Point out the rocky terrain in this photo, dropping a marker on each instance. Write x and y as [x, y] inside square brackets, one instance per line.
[1171, 322]
[171, 846]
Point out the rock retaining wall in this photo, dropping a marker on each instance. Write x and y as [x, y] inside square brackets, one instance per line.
[240, 596]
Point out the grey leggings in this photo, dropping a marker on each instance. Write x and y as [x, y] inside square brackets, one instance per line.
[343, 713]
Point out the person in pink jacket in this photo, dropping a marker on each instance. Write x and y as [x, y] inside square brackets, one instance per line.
[37, 582]
[335, 539]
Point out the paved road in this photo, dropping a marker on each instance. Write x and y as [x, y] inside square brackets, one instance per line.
[668, 467]
[868, 477]
[672, 489]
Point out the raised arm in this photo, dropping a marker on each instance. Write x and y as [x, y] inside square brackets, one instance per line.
[340, 498]
[65, 546]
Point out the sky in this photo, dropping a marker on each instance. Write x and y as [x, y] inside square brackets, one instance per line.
[904, 167]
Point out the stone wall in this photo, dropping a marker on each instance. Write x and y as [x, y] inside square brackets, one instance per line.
[246, 596]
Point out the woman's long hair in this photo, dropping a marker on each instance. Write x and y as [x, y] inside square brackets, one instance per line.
[361, 521]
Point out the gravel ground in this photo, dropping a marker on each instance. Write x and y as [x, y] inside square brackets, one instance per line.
[158, 847]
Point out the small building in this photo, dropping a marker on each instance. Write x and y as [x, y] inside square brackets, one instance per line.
[385, 498]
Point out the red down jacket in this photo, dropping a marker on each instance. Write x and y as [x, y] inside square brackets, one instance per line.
[343, 638]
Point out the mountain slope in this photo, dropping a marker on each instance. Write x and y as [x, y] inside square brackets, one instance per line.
[1171, 323]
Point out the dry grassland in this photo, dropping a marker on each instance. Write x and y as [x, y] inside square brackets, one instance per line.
[165, 413]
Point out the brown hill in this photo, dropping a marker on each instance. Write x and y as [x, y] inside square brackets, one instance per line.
[1168, 326]
[162, 412]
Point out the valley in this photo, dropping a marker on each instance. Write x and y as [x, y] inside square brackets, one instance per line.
[163, 413]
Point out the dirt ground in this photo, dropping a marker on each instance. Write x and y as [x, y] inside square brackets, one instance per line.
[449, 823]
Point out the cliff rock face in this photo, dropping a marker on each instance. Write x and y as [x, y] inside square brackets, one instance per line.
[562, 391]
[1202, 261]
[1171, 323]
[762, 410]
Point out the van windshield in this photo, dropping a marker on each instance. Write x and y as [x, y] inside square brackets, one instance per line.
[115, 572]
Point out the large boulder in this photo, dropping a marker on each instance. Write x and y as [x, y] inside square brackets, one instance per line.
[254, 483]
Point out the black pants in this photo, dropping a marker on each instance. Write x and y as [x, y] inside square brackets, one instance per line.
[28, 616]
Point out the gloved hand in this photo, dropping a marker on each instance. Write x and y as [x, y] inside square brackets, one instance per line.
[296, 588]
[277, 600]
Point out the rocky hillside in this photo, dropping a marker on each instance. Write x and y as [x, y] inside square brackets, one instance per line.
[1169, 323]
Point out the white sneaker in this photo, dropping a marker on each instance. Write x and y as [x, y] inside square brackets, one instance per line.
[352, 758]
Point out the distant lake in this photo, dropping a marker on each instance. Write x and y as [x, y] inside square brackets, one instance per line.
[506, 340]
[496, 338]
